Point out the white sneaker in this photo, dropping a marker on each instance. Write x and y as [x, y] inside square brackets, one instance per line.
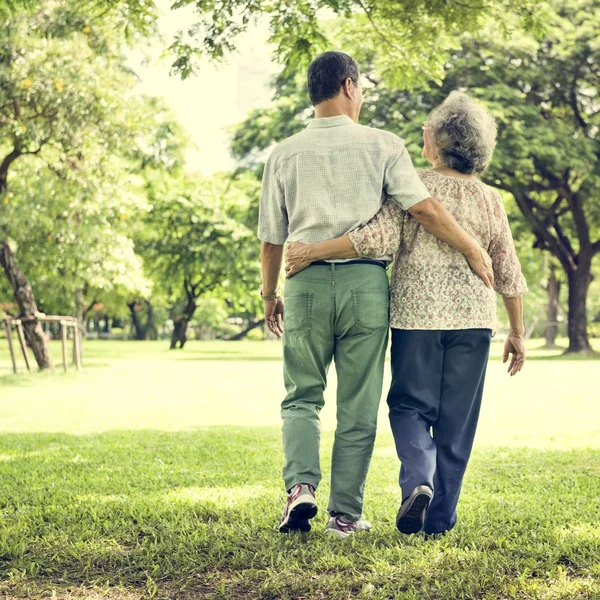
[342, 526]
[301, 506]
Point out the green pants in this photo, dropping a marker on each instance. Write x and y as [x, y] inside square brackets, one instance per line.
[334, 312]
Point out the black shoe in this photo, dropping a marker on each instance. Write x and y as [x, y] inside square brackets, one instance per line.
[411, 516]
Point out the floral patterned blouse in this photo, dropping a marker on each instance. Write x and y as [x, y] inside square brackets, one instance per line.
[433, 286]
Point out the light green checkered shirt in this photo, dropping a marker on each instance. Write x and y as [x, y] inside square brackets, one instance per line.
[331, 178]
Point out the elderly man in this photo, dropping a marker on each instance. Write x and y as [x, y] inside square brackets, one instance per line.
[319, 184]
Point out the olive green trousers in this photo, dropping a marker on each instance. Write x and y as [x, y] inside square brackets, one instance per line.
[336, 312]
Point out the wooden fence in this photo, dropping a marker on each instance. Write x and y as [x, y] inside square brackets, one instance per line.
[65, 324]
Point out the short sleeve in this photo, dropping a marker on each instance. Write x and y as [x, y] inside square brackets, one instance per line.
[381, 235]
[508, 277]
[401, 181]
[272, 214]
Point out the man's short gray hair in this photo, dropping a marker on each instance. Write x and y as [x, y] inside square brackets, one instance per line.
[464, 133]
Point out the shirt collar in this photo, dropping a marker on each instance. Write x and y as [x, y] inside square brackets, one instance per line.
[331, 121]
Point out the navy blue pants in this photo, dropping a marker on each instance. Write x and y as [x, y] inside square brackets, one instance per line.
[434, 401]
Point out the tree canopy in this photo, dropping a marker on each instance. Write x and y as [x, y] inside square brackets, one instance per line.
[414, 37]
[195, 242]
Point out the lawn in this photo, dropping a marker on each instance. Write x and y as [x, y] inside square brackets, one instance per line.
[157, 473]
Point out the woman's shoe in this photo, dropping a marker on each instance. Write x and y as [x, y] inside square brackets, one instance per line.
[411, 516]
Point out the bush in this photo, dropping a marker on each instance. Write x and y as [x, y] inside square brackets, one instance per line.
[594, 329]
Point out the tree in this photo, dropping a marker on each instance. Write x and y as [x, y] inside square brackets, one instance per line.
[549, 155]
[193, 247]
[86, 138]
[544, 96]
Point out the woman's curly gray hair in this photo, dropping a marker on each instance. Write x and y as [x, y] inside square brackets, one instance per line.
[464, 133]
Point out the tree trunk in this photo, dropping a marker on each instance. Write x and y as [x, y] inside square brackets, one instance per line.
[579, 282]
[143, 331]
[136, 322]
[151, 332]
[97, 325]
[27, 306]
[180, 325]
[553, 291]
[179, 337]
[242, 334]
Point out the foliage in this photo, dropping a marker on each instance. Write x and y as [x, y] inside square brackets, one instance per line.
[414, 37]
[70, 229]
[71, 210]
[134, 18]
[66, 85]
[54, 87]
[195, 238]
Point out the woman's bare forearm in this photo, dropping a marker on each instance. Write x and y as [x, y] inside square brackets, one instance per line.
[514, 308]
[340, 247]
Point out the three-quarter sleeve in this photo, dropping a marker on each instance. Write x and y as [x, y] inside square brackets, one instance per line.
[402, 183]
[381, 235]
[508, 277]
[272, 215]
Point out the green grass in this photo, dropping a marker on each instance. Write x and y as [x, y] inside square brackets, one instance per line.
[157, 473]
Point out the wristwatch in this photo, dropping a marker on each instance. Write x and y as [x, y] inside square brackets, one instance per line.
[276, 294]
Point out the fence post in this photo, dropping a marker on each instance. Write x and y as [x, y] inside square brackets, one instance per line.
[77, 345]
[23, 343]
[10, 345]
[63, 335]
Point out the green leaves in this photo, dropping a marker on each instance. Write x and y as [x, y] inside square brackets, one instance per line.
[133, 18]
[195, 235]
[413, 39]
[73, 209]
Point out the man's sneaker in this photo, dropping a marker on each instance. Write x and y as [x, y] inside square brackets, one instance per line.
[411, 515]
[300, 508]
[342, 527]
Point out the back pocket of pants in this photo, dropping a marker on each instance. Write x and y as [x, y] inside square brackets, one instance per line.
[298, 313]
[371, 309]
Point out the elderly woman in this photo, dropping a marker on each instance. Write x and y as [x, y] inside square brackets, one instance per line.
[442, 315]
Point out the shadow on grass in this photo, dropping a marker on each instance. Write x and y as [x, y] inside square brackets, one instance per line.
[163, 511]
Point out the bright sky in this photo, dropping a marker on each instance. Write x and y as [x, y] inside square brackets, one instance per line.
[214, 100]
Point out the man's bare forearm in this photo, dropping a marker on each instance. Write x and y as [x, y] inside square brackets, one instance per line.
[271, 257]
[440, 223]
[514, 308]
